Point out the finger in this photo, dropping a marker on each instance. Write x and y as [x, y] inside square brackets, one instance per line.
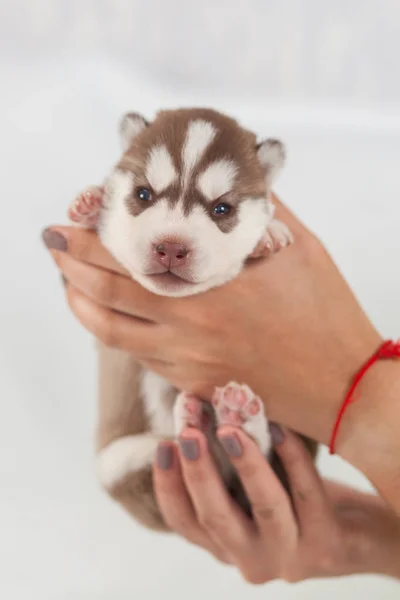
[82, 244]
[142, 339]
[109, 289]
[216, 511]
[310, 499]
[174, 501]
[269, 501]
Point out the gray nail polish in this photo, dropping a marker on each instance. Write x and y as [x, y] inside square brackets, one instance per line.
[164, 457]
[277, 434]
[231, 445]
[63, 280]
[189, 448]
[54, 240]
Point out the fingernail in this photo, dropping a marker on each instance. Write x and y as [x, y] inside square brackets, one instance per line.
[277, 434]
[54, 240]
[63, 280]
[189, 449]
[231, 445]
[165, 456]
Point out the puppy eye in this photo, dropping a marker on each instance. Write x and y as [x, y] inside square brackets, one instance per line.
[143, 194]
[221, 209]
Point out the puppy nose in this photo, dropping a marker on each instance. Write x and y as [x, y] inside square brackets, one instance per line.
[171, 254]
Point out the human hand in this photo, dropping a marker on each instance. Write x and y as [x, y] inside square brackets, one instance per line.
[289, 327]
[330, 530]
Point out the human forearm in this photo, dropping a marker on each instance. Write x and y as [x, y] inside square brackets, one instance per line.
[369, 437]
[372, 543]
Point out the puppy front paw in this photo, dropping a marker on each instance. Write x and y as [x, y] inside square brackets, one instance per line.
[190, 411]
[276, 237]
[237, 405]
[85, 209]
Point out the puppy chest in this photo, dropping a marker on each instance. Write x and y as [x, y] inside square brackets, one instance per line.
[158, 398]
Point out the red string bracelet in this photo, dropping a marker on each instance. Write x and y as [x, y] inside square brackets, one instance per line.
[388, 349]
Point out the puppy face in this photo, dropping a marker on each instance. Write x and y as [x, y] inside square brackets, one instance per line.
[189, 200]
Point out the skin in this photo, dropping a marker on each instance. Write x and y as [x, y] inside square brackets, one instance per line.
[332, 530]
[302, 336]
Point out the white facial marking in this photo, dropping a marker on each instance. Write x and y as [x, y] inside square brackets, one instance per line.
[124, 456]
[199, 136]
[217, 179]
[160, 170]
[213, 263]
[118, 187]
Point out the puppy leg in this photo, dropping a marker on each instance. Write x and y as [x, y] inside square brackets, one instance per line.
[125, 471]
[237, 405]
[276, 237]
[190, 411]
[85, 209]
[126, 446]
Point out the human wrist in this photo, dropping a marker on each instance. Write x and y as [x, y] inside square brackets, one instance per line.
[313, 407]
[368, 436]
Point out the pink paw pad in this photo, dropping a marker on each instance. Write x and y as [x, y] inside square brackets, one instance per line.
[264, 248]
[192, 413]
[235, 404]
[238, 406]
[85, 210]
[253, 407]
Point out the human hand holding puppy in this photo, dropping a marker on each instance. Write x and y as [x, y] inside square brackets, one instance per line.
[326, 530]
[186, 339]
[289, 327]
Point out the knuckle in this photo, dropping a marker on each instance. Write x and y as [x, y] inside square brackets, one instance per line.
[180, 525]
[81, 249]
[170, 520]
[303, 494]
[105, 331]
[256, 577]
[293, 458]
[103, 288]
[329, 557]
[163, 487]
[73, 301]
[222, 557]
[249, 470]
[264, 512]
[292, 577]
[72, 297]
[196, 476]
[216, 522]
[101, 325]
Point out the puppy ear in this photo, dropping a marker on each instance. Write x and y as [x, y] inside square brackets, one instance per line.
[130, 126]
[271, 154]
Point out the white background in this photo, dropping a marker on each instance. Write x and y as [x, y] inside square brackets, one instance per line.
[325, 78]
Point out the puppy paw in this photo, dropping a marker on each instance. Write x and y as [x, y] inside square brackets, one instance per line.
[237, 405]
[85, 210]
[280, 234]
[276, 237]
[190, 411]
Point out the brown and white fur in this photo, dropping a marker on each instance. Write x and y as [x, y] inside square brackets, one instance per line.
[159, 214]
